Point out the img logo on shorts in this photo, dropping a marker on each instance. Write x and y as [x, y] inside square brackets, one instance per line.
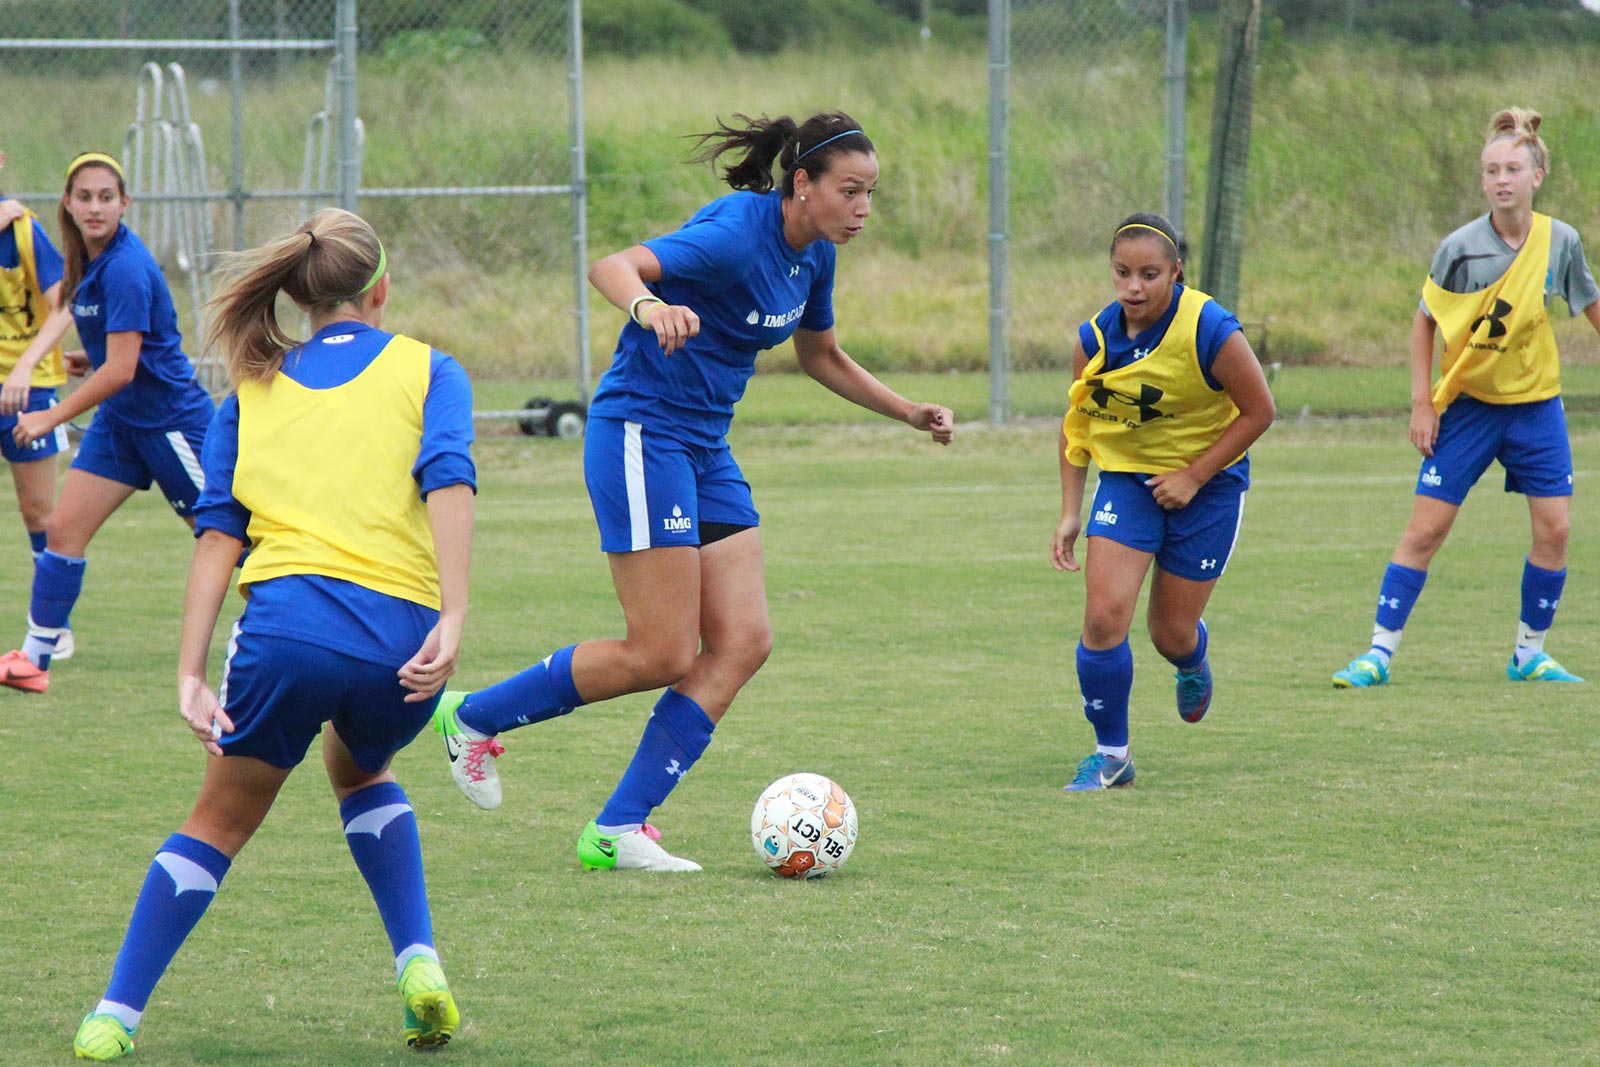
[677, 522]
[1106, 516]
[1432, 477]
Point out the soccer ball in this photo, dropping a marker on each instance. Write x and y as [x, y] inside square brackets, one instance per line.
[804, 826]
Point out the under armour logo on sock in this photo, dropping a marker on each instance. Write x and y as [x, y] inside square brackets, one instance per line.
[672, 768]
[1548, 605]
[1388, 602]
[1093, 705]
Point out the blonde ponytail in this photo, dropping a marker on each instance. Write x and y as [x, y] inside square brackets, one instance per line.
[1521, 125]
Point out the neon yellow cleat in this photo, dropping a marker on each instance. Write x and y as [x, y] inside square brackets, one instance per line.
[431, 1015]
[102, 1037]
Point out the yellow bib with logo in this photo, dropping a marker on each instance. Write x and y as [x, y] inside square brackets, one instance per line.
[326, 475]
[1498, 344]
[1153, 415]
[23, 311]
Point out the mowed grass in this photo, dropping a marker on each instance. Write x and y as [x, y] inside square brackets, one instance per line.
[1307, 877]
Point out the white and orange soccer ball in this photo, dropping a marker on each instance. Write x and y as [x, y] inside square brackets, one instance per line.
[804, 826]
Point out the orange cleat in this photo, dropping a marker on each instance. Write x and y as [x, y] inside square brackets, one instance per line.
[18, 672]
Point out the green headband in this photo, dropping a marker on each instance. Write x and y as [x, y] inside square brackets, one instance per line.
[383, 265]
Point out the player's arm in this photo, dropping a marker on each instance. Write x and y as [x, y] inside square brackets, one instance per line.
[1592, 313]
[821, 357]
[122, 361]
[623, 277]
[450, 517]
[210, 572]
[1424, 429]
[1073, 479]
[1238, 371]
[14, 393]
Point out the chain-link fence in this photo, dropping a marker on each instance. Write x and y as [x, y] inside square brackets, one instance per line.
[232, 119]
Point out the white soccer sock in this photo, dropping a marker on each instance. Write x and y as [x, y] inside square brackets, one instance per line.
[1114, 751]
[1384, 643]
[1529, 643]
[125, 1015]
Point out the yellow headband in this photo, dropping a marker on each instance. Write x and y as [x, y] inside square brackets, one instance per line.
[95, 157]
[1152, 229]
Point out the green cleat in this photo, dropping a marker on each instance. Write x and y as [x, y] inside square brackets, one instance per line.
[635, 850]
[1364, 671]
[431, 1016]
[102, 1037]
[1541, 668]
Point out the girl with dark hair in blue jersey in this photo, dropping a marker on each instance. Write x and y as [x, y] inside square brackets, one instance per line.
[676, 518]
[1166, 397]
[345, 464]
[152, 416]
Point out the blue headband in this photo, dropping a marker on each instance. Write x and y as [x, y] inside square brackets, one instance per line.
[819, 144]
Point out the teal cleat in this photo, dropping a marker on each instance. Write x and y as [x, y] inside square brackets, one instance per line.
[1541, 668]
[102, 1037]
[1364, 671]
[1101, 771]
[1194, 692]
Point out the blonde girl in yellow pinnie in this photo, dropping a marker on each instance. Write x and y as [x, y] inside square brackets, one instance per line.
[1498, 396]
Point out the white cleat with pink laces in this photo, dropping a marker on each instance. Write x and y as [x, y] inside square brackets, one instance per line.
[472, 759]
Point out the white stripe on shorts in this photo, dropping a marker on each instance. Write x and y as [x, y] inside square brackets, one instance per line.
[186, 456]
[1238, 524]
[633, 473]
[227, 664]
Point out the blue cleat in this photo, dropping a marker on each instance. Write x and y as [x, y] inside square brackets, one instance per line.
[1101, 771]
[1194, 692]
[1541, 668]
[1365, 670]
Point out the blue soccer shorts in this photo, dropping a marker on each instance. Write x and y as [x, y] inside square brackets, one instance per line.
[52, 443]
[279, 692]
[651, 490]
[168, 458]
[1194, 541]
[1529, 440]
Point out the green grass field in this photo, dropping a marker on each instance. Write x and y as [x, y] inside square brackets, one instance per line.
[1307, 877]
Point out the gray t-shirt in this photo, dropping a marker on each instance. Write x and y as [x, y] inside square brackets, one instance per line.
[1475, 257]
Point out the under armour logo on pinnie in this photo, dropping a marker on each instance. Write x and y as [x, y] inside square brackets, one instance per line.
[1102, 395]
[1495, 319]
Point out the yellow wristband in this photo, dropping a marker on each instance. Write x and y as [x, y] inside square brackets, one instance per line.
[647, 299]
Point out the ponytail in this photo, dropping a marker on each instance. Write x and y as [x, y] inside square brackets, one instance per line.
[810, 146]
[1521, 125]
[333, 259]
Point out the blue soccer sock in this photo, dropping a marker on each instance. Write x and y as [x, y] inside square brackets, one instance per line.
[381, 829]
[1541, 595]
[1193, 660]
[1106, 678]
[37, 541]
[1396, 597]
[541, 692]
[57, 581]
[676, 735]
[180, 886]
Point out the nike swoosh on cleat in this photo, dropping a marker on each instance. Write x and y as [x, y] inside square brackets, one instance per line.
[1107, 783]
[607, 849]
[451, 748]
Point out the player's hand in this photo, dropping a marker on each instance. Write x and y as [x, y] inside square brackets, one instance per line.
[200, 710]
[14, 393]
[1174, 489]
[1424, 427]
[674, 324]
[31, 425]
[426, 672]
[937, 420]
[10, 211]
[1061, 557]
[77, 361]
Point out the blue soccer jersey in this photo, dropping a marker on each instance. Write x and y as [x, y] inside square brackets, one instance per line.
[123, 291]
[341, 615]
[731, 265]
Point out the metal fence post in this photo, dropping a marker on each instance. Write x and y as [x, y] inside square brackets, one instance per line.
[999, 209]
[346, 40]
[236, 109]
[580, 201]
[1177, 91]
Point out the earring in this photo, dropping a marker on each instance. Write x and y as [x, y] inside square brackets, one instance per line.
[802, 196]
